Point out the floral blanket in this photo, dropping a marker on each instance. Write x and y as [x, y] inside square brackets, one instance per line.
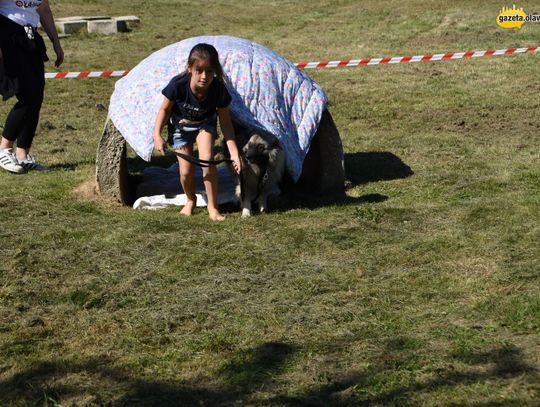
[267, 92]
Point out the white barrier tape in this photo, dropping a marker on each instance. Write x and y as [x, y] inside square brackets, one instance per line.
[335, 64]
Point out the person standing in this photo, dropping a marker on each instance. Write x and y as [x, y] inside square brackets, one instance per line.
[22, 57]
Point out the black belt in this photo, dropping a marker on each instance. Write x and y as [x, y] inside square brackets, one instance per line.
[198, 161]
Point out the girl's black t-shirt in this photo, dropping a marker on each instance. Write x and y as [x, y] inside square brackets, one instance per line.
[187, 109]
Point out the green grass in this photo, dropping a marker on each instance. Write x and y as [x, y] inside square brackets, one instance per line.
[419, 287]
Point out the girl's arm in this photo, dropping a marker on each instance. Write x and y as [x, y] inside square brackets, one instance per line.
[163, 115]
[47, 21]
[228, 133]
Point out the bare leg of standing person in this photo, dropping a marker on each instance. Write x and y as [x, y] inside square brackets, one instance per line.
[205, 144]
[187, 179]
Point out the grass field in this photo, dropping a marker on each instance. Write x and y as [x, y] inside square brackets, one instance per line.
[410, 290]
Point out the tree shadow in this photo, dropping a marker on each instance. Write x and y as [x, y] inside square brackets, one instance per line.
[242, 375]
[250, 370]
[246, 373]
[496, 364]
[362, 168]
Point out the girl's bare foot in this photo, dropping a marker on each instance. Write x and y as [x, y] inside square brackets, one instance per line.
[187, 210]
[216, 216]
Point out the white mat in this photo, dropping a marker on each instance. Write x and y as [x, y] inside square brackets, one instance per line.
[160, 188]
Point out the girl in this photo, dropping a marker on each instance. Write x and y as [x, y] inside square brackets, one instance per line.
[192, 102]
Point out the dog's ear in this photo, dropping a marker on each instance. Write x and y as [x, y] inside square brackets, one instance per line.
[276, 144]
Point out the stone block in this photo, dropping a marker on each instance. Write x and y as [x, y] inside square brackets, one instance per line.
[83, 18]
[62, 19]
[98, 24]
[111, 170]
[103, 26]
[92, 18]
[70, 27]
[131, 21]
[324, 167]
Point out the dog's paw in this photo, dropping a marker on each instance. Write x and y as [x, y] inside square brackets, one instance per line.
[246, 213]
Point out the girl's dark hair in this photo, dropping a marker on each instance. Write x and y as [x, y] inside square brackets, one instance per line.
[206, 52]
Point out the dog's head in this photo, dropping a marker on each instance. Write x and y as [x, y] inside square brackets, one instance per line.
[260, 148]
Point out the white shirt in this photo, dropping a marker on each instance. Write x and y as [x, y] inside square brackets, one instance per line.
[23, 12]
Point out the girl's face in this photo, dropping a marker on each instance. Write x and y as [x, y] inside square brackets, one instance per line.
[202, 75]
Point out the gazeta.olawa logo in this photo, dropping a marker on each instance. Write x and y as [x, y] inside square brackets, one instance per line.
[515, 17]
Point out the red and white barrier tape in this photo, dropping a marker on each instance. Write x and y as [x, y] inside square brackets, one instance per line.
[85, 74]
[336, 64]
[415, 58]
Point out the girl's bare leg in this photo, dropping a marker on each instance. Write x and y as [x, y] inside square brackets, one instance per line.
[187, 179]
[205, 143]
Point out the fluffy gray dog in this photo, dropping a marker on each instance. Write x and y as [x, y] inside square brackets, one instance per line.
[263, 165]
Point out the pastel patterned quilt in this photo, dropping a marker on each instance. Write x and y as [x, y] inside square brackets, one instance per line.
[267, 92]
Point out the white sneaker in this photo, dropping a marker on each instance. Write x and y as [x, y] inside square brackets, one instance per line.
[30, 163]
[9, 162]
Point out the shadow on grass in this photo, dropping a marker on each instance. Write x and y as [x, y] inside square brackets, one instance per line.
[361, 168]
[63, 167]
[246, 373]
[304, 200]
[354, 388]
[96, 379]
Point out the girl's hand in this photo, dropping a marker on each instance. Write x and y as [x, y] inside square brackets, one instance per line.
[237, 164]
[160, 145]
